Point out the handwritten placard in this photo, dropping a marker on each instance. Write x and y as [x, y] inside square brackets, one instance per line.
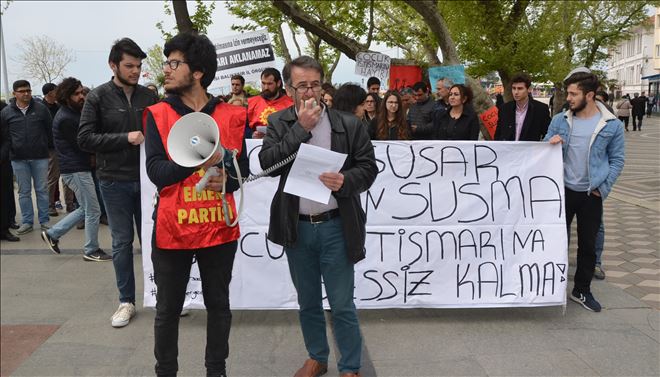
[489, 120]
[374, 64]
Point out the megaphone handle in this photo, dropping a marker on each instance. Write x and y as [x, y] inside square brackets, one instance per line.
[211, 172]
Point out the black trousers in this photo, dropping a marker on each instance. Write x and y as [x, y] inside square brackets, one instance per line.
[625, 121]
[588, 209]
[637, 121]
[8, 212]
[171, 274]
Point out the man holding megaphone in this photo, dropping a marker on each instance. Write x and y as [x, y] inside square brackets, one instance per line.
[189, 222]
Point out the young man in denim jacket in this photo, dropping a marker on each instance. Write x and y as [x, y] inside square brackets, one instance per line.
[593, 149]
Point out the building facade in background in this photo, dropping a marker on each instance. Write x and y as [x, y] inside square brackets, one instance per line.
[634, 59]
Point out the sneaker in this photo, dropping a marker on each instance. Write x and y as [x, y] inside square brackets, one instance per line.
[97, 256]
[587, 300]
[58, 205]
[123, 315]
[45, 227]
[599, 273]
[51, 242]
[81, 225]
[13, 225]
[53, 212]
[24, 229]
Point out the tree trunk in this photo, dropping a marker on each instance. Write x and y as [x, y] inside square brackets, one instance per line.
[506, 85]
[183, 22]
[559, 99]
[429, 11]
[331, 70]
[282, 43]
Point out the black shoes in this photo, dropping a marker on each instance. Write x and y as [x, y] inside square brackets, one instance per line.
[50, 241]
[97, 256]
[7, 236]
[587, 300]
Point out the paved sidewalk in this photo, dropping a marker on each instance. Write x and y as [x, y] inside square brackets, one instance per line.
[55, 313]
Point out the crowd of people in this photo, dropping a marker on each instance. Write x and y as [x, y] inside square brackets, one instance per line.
[91, 141]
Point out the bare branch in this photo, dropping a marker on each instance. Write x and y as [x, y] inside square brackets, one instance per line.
[43, 58]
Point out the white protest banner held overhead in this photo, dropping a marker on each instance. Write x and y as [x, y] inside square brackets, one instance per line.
[246, 54]
[450, 224]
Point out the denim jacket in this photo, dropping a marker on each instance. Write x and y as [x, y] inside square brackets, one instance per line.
[606, 147]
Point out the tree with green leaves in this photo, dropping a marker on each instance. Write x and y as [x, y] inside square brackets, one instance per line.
[345, 16]
[197, 23]
[153, 65]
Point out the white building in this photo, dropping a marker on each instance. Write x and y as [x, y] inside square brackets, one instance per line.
[633, 59]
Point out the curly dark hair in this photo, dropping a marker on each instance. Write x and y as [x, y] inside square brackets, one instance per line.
[66, 88]
[198, 52]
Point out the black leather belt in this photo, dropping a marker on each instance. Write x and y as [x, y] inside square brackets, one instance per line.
[320, 217]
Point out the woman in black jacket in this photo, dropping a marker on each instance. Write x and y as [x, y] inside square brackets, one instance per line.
[460, 121]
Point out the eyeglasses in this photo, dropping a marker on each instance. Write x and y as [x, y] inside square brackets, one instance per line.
[303, 89]
[173, 64]
[24, 91]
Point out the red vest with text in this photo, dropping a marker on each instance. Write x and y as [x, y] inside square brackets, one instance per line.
[260, 108]
[186, 219]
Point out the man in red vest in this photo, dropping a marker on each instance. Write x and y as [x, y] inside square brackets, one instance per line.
[272, 99]
[190, 224]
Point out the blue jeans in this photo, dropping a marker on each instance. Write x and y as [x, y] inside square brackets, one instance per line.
[600, 242]
[122, 206]
[98, 192]
[321, 252]
[27, 171]
[82, 185]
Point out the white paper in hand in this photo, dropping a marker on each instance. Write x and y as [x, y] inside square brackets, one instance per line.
[311, 161]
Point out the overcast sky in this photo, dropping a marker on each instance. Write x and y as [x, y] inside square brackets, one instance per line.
[89, 28]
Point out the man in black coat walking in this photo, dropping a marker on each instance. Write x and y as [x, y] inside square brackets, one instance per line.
[638, 110]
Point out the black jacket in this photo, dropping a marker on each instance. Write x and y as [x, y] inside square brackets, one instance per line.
[72, 159]
[53, 108]
[105, 122]
[29, 135]
[535, 125]
[421, 115]
[466, 127]
[349, 136]
[639, 105]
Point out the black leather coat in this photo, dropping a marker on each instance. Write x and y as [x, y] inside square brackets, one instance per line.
[349, 136]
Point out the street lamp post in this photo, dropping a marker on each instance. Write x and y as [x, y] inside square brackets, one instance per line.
[5, 80]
